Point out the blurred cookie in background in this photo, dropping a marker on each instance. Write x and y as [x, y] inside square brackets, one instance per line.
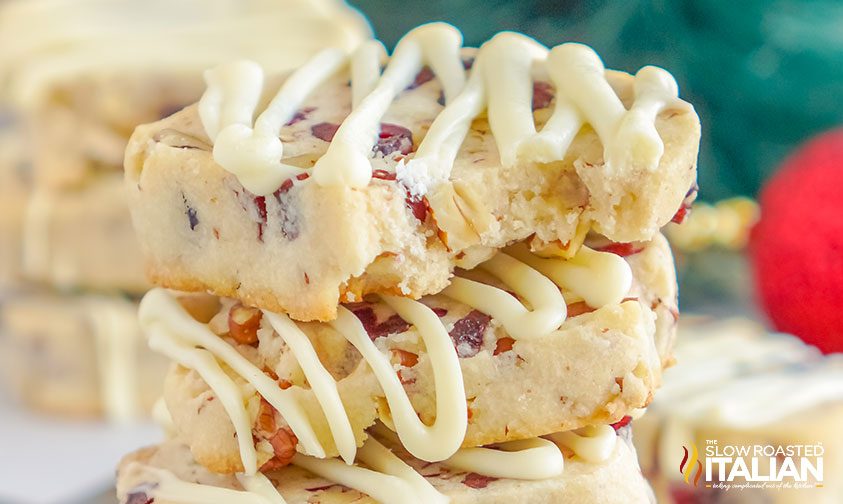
[14, 175]
[736, 385]
[76, 77]
[80, 356]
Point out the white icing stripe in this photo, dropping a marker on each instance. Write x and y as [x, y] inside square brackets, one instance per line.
[321, 382]
[507, 64]
[528, 459]
[254, 155]
[365, 70]
[636, 137]
[258, 484]
[578, 74]
[117, 337]
[234, 90]
[599, 278]
[229, 394]
[158, 308]
[548, 306]
[444, 437]
[594, 443]
[437, 152]
[389, 480]
[347, 160]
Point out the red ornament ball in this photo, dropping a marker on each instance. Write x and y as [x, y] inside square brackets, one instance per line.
[796, 249]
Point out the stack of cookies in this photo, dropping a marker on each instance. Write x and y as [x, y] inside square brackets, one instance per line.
[431, 277]
[80, 75]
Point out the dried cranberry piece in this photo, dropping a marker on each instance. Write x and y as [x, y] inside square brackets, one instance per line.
[425, 75]
[542, 95]
[287, 214]
[692, 191]
[578, 308]
[477, 481]
[300, 115]
[192, 217]
[367, 317]
[139, 497]
[440, 312]
[468, 331]
[681, 214]
[418, 206]
[621, 249]
[393, 324]
[260, 204]
[383, 175]
[288, 184]
[393, 138]
[324, 130]
[623, 422]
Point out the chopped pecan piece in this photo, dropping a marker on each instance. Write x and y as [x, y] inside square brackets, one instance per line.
[243, 324]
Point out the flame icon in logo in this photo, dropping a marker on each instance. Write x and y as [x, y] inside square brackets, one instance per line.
[686, 467]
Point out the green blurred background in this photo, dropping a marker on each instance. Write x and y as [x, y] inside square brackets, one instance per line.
[763, 74]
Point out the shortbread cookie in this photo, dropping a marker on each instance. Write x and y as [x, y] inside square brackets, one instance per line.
[78, 356]
[521, 371]
[386, 184]
[166, 474]
[81, 96]
[83, 238]
[14, 187]
[736, 384]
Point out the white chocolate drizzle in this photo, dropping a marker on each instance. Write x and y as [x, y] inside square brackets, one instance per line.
[173, 332]
[501, 82]
[593, 443]
[347, 160]
[599, 278]
[444, 437]
[548, 306]
[387, 478]
[528, 459]
[169, 488]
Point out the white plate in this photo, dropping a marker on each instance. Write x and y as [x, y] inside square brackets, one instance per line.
[47, 460]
